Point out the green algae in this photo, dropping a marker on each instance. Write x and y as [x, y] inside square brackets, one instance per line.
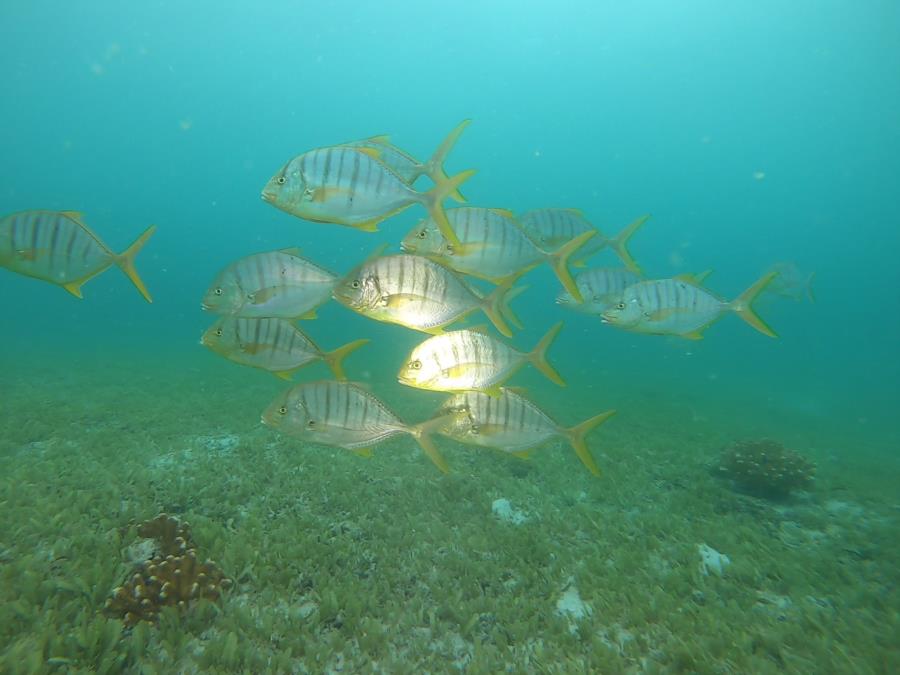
[383, 565]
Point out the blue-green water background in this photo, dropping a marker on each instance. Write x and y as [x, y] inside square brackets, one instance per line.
[177, 113]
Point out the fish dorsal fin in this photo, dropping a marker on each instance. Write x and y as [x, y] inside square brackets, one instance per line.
[77, 216]
[479, 328]
[505, 213]
[382, 139]
[519, 391]
[374, 153]
[292, 250]
[693, 279]
[574, 211]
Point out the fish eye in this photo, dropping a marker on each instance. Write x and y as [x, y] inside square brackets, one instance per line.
[355, 283]
[219, 332]
[474, 430]
[311, 424]
[416, 365]
[218, 291]
[422, 234]
[283, 410]
[449, 249]
[280, 180]
[620, 305]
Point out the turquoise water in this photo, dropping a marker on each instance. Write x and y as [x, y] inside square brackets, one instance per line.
[754, 133]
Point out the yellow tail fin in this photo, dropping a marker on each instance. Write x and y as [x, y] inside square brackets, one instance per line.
[434, 167]
[422, 433]
[576, 436]
[742, 305]
[559, 261]
[619, 243]
[335, 359]
[538, 356]
[434, 202]
[496, 306]
[125, 261]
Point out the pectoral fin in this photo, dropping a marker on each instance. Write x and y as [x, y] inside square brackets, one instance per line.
[363, 452]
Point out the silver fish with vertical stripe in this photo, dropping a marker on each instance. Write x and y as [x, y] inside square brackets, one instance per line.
[552, 228]
[599, 288]
[513, 424]
[351, 186]
[492, 246]
[418, 293]
[344, 415]
[681, 306]
[273, 284]
[470, 360]
[58, 247]
[275, 345]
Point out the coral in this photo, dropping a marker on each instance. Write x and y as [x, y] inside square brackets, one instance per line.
[765, 467]
[173, 576]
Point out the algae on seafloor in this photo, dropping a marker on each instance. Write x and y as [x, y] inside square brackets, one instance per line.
[384, 565]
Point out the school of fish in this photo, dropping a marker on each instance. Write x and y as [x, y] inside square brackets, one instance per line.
[427, 287]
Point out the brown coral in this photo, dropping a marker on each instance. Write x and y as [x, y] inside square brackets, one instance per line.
[172, 577]
[766, 468]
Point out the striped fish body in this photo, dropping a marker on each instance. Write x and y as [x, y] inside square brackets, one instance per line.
[491, 244]
[551, 229]
[57, 246]
[53, 246]
[341, 185]
[510, 422]
[277, 284]
[339, 414]
[600, 288]
[665, 307]
[275, 345]
[461, 360]
[409, 290]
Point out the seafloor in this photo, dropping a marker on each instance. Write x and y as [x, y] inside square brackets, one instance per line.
[345, 564]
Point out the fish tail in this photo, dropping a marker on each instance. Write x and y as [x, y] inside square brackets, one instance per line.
[125, 261]
[538, 356]
[742, 305]
[434, 167]
[576, 437]
[559, 261]
[335, 359]
[496, 306]
[809, 287]
[619, 243]
[434, 202]
[423, 434]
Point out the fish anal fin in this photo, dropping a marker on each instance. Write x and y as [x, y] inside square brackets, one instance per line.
[693, 335]
[363, 452]
[74, 287]
[522, 454]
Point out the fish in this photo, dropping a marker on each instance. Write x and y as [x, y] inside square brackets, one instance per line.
[345, 415]
[272, 344]
[513, 424]
[552, 228]
[58, 247]
[275, 284]
[681, 306]
[351, 186]
[791, 282]
[472, 360]
[408, 167]
[418, 293]
[599, 288]
[492, 246]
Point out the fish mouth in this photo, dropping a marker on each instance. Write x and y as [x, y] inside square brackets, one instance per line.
[268, 196]
[205, 307]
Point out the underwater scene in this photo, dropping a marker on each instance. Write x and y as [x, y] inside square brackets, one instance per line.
[400, 337]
